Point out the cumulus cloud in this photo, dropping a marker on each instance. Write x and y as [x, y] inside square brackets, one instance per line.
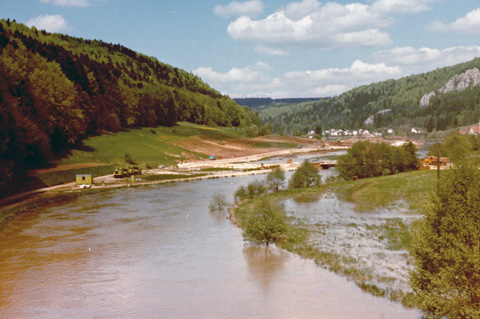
[50, 23]
[358, 73]
[251, 8]
[256, 80]
[69, 3]
[298, 10]
[334, 81]
[426, 59]
[468, 24]
[401, 6]
[252, 80]
[235, 75]
[311, 24]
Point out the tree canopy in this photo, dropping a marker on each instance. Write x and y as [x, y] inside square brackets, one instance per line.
[367, 159]
[305, 176]
[265, 223]
[446, 280]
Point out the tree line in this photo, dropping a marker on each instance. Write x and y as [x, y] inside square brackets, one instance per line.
[55, 90]
[367, 159]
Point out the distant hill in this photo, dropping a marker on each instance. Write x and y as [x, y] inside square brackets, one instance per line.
[55, 90]
[255, 102]
[367, 106]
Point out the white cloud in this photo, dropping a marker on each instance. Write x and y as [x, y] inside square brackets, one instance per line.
[327, 90]
[297, 10]
[415, 61]
[250, 74]
[257, 81]
[334, 81]
[251, 8]
[310, 24]
[468, 24]
[69, 3]
[401, 6]
[357, 74]
[270, 51]
[50, 23]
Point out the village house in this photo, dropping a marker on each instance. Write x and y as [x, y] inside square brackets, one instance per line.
[474, 130]
[416, 130]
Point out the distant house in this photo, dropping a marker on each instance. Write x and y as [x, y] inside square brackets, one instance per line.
[416, 130]
[474, 130]
[85, 179]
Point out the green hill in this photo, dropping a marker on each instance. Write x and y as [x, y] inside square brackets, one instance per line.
[402, 97]
[56, 90]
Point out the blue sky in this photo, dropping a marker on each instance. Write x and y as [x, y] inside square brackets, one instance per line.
[274, 48]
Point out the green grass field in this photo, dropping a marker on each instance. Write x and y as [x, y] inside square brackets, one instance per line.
[148, 146]
[413, 188]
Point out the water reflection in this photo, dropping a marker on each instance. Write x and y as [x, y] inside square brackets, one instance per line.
[264, 264]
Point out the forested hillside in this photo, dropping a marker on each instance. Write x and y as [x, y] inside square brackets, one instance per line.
[55, 90]
[257, 102]
[351, 109]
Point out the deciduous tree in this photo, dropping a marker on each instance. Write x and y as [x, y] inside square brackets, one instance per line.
[275, 179]
[305, 176]
[265, 223]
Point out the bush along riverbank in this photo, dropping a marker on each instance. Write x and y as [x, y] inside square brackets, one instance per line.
[362, 229]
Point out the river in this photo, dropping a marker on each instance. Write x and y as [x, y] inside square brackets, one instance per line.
[158, 252]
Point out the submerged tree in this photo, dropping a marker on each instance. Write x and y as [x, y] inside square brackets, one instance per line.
[446, 280]
[265, 223]
[218, 202]
[305, 176]
[275, 179]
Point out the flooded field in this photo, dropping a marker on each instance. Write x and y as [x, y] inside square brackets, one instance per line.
[157, 251]
[359, 244]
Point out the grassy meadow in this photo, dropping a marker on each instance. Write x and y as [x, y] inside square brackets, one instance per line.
[148, 146]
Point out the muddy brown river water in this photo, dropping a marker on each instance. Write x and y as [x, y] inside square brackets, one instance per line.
[158, 252]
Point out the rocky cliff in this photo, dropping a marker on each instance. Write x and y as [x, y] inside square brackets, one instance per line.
[458, 83]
